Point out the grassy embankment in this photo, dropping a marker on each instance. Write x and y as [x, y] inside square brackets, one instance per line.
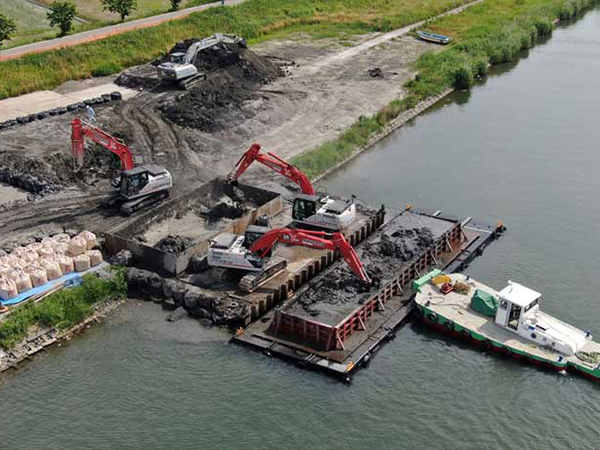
[64, 309]
[255, 19]
[490, 33]
[33, 26]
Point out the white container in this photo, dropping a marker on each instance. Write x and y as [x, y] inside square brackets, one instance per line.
[77, 246]
[38, 276]
[23, 281]
[8, 289]
[82, 263]
[90, 239]
[52, 269]
[95, 257]
[66, 264]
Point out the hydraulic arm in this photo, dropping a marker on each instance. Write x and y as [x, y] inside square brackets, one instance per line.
[273, 162]
[312, 239]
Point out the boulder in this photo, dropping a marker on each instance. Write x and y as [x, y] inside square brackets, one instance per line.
[123, 258]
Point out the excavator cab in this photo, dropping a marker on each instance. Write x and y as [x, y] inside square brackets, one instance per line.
[133, 181]
[304, 206]
[177, 58]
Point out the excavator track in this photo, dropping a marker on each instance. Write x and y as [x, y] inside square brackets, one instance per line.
[254, 280]
[188, 83]
[135, 205]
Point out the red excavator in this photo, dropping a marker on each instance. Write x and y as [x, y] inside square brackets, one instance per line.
[138, 187]
[309, 208]
[234, 252]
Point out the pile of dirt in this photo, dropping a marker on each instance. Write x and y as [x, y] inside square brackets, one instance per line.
[174, 244]
[381, 258]
[48, 175]
[139, 77]
[234, 74]
[225, 210]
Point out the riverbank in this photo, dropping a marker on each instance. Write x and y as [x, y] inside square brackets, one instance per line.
[487, 34]
[32, 326]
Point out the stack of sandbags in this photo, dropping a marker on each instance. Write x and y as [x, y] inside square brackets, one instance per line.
[90, 239]
[82, 262]
[29, 257]
[66, 264]
[61, 248]
[34, 247]
[8, 289]
[95, 257]
[77, 246]
[52, 269]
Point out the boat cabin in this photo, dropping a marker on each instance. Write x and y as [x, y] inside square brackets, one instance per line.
[519, 311]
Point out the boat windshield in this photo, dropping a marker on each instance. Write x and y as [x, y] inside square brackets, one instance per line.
[531, 305]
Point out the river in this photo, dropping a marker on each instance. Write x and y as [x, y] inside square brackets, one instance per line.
[521, 147]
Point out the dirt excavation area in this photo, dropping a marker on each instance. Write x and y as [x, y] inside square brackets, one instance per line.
[288, 95]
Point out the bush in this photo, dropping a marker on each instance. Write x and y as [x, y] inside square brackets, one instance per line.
[105, 69]
[63, 309]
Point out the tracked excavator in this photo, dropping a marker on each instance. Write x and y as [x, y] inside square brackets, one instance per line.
[309, 208]
[234, 252]
[137, 187]
[180, 68]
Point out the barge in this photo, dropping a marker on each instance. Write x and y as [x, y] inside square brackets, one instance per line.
[509, 322]
[339, 337]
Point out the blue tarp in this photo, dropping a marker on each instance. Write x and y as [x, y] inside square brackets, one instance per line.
[50, 284]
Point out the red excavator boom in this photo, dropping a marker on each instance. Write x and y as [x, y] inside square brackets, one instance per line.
[313, 239]
[274, 162]
[80, 130]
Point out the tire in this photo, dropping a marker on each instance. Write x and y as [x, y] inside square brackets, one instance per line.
[449, 326]
[465, 334]
[432, 317]
[486, 345]
[418, 312]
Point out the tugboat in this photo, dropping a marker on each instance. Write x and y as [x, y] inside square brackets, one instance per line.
[509, 322]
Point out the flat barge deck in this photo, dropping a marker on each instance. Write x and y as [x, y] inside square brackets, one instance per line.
[339, 337]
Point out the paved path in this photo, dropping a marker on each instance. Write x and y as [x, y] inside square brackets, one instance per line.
[101, 33]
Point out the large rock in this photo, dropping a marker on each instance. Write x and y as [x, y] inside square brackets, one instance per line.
[196, 298]
[123, 258]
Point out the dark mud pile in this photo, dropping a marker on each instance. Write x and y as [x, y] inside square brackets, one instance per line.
[381, 258]
[174, 244]
[47, 175]
[226, 202]
[234, 74]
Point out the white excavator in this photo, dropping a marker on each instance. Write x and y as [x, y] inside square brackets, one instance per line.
[180, 69]
[251, 253]
[137, 187]
[309, 209]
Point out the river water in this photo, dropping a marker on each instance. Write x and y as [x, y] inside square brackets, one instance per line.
[522, 147]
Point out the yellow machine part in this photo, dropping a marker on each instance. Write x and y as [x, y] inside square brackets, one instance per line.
[441, 279]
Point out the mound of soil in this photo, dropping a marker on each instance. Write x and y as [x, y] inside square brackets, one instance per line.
[381, 259]
[234, 74]
[225, 210]
[174, 244]
[47, 175]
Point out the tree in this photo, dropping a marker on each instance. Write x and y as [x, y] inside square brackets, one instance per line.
[7, 28]
[61, 15]
[120, 7]
[175, 5]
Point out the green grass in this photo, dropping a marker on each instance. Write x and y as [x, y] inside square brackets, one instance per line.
[28, 19]
[490, 33]
[255, 19]
[63, 309]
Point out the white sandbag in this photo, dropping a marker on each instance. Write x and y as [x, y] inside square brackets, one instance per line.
[66, 264]
[52, 269]
[8, 289]
[34, 247]
[18, 263]
[46, 252]
[48, 241]
[95, 257]
[23, 281]
[81, 262]
[77, 246]
[90, 239]
[17, 252]
[9, 259]
[38, 276]
[61, 249]
[30, 257]
[62, 238]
